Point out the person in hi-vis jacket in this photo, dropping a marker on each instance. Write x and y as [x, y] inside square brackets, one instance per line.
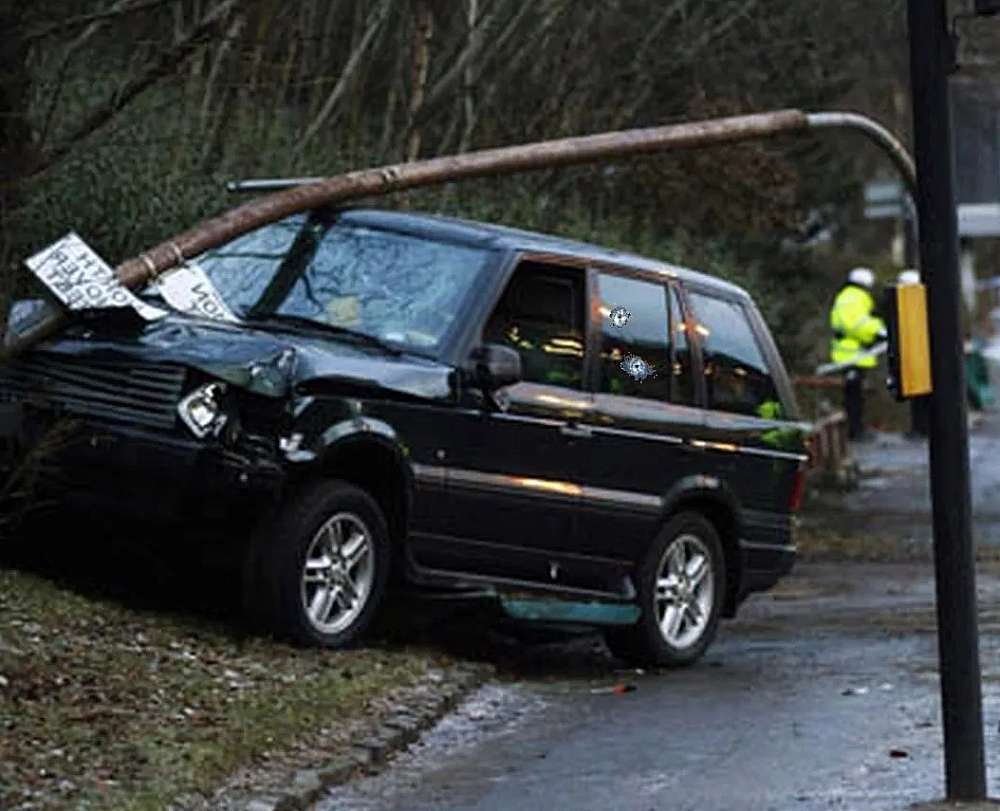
[856, 329]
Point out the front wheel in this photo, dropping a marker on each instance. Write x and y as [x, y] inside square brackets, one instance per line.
[682, 583]
[316, 572]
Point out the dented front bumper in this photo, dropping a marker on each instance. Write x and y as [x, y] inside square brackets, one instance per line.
[139, 473]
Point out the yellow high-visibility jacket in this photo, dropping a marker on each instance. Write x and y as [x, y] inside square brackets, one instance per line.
[855, 326]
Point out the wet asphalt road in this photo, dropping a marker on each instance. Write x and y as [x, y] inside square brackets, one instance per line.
[894, 496]
[762, 723]
[824, 694]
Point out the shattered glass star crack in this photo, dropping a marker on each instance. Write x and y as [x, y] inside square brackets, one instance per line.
[619, 317]
[636, 368]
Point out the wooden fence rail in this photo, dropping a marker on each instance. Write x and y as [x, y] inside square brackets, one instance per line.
[829, 450]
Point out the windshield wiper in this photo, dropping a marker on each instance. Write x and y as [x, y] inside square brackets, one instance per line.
[287, 319]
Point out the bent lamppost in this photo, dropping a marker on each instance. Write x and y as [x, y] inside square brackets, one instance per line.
[367, 183]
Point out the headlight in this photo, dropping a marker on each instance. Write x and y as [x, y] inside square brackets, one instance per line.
[201, 410]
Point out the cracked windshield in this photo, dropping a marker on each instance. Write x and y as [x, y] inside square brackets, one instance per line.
[400, 289]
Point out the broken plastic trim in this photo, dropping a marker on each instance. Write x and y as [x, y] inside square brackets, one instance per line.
[570, 611]
[201, 410]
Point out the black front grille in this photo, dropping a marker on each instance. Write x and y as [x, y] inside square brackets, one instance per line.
[135, 393]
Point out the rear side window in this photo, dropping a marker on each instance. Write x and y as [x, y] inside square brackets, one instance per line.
[737, 378]
[636, 324]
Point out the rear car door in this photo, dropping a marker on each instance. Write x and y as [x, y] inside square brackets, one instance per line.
[642, 425]
[512, 472]
[748, 428]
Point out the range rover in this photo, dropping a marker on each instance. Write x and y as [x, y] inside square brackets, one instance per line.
[453, 404]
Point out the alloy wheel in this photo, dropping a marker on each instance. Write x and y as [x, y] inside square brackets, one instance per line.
[338, 573]
[684, 591]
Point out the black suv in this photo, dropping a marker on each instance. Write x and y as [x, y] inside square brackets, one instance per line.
[465, 405]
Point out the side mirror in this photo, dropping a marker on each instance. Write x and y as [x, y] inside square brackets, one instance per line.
[495, 366]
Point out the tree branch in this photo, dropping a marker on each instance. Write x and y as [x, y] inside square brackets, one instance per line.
[469, 105]
[67, 58]
[439, 93]
[161, 67]
[87, 19]
[234, 31]
[424, 31]
[375, 22]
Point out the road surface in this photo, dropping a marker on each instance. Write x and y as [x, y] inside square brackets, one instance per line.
[823, 695]
[894, 495]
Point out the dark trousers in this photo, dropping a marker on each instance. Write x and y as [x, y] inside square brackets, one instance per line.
[854, 402]
[920, 416]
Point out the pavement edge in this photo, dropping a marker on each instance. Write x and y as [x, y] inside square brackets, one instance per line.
[394, 734]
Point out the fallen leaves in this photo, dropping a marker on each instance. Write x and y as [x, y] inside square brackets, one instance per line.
[99, 703]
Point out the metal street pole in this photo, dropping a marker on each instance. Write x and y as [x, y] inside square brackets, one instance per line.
[954, 562]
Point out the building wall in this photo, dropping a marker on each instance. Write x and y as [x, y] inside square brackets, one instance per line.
[976, 128]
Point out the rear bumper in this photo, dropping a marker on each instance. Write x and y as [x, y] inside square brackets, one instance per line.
[763, 565]
[140, 473]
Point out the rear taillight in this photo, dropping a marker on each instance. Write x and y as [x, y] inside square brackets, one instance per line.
[798, 490]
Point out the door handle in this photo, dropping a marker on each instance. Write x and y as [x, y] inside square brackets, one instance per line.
[575, 431]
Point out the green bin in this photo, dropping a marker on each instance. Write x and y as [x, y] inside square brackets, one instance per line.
[982, 394]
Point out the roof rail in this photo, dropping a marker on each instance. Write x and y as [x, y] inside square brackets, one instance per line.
[270, 184]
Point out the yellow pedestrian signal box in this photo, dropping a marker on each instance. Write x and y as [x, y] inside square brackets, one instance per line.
[909, 353]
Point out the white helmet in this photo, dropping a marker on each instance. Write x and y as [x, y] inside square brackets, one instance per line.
[908, 277]
[862, 277]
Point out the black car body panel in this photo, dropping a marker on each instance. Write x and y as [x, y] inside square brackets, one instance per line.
[537, 486]
[261, 362]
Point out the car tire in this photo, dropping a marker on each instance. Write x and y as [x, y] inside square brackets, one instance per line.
[670, 583]
[316, 570]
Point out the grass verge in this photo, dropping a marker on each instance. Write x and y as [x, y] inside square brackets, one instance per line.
[820, 543]
[106, 707]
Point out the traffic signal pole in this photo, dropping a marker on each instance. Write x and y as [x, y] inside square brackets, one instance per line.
[954, 561]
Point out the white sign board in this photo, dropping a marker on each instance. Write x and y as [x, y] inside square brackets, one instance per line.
[979, 220]
[189, 290]
[81, 280]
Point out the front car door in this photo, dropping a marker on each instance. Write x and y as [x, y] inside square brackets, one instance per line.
[512, 474]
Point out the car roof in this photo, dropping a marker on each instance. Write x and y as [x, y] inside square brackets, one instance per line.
[471, 232]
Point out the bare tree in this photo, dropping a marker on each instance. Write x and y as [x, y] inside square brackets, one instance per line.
[385, 141]
[158, 68]
[375, 22]
[469, 105]
[71, 50]
[115, 12]
[232, 35]
[423, 33]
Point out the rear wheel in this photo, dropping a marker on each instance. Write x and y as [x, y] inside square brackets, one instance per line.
[316, 572]
[682, 583]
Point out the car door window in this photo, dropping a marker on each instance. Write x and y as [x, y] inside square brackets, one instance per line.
[541, 315]
[635, 338]
[638, 357]
[737, 378]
